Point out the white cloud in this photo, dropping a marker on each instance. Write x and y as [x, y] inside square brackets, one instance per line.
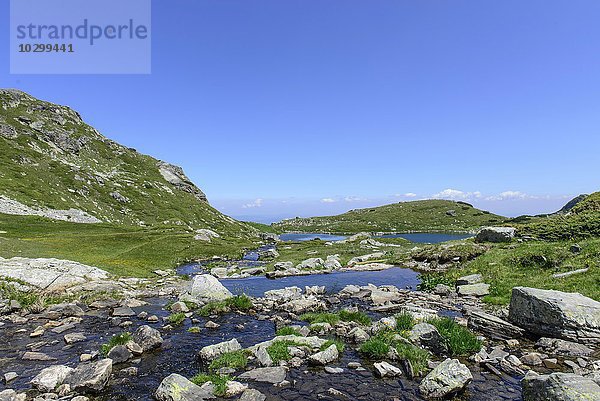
[410, 195]
[353, 199]
[327, 200]
[506, 195]
[455, 194]
[257, 203]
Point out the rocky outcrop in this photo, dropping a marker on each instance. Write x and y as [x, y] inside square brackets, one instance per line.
[11, 206]
[90, 377]
[177, 388]
[176, 177]
[559, 387]
[205, 288]
[214, 351]
[449, 377]
[50, 274]
[570, 316]
[495, 234]
[492, 326]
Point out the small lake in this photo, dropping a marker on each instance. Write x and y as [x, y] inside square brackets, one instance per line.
[428, 238]
[310, 237]
[422, 238]
[256, 286]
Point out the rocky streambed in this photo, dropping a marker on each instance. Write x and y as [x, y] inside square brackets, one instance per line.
[171, 343]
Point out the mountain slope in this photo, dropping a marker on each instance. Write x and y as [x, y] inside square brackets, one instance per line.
[53, 164]
[424, 215]
[580, 218]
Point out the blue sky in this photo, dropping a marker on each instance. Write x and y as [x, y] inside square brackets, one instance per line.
[283, 108]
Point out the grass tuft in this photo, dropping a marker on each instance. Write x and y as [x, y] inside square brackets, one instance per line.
[117, 339]
[234, 360]
[219, 381]
[278, 350]
[176, 319]
[238, 302]
[459, 339]
[417, 357]
[288, 331]
[339, 344]
[404, 321]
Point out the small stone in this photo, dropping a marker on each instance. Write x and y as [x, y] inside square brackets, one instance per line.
[384, 369]
[551, 363]
[10, 376]
[73, 338]
[211, 325]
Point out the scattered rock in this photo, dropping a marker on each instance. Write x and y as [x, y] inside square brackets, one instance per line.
[478, 290]
[92, 376]
[267, 375]
[252, 395]
[426, 335]
[570, 316]
[559, 387]
[205, 288]
[495, 234]
[324, 357]
[50, 378]
[384, 369]
[449, 377]
[147, 337]
[211, 352]
[177, 388]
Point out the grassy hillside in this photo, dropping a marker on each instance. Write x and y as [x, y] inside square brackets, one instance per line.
[581, 221]
[425, 215]
[120, 249]
[51, 159]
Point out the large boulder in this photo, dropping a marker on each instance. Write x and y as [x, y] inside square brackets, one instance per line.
[426, 335]
[449, 377]
[90, 377]
[272, 375]
[570, 316]
[559, 387]
[214, 351]
[50, 378]
[492, 326]
[205, 288]
[147, 337]
[177, 388]
[324, 357]
[495, 234]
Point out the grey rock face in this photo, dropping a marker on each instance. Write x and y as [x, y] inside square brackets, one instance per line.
[177, 388]
[449, 377]
[478, 290]
[559, 387]
[427, 336]
[493, 326]
[384, 369]
[11, 206]
[50, 274]
[176, 177]
[495, 234]
[556, 346]
[570, 316]
[470, 279]
[211, 352]
[252, 395]
[324, 357]
[205, 288]
[267, 375]
[90, 377]
[147, 338]
[50, 378]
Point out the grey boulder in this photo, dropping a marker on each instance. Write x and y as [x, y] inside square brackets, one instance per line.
[205, 288]
[177, 388]
[90, 377]
[495, 234]
[559, 387]
[570, 316]
[50, 378]
[147, 338]
[449, 377]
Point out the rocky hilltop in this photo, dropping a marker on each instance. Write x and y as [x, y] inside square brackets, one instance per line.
[422, 215]
[53, 164]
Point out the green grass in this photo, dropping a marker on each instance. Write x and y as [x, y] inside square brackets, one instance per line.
[219, 381]
[404, 321]
[176, 319]
[417, 357]
[194, 330]
[333, 318]
[117, 339]
[532, 264]
[459, 339]
[121, 250]
[287, 331]
[234, 360]
[425, 215]
[238, 302]
[375, 348]
[278, 350]
[339, 344]
[357, 317]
